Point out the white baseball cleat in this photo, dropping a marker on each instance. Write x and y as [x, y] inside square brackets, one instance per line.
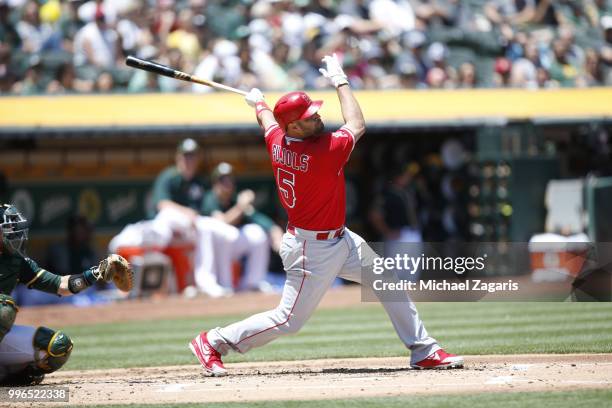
[207, 356]
[439, 360]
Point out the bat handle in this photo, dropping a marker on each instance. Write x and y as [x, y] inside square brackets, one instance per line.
[217, 85]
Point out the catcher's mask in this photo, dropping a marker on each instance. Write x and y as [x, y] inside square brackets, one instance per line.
[14, 229]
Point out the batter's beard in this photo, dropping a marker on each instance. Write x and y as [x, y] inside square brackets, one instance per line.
[320, 129]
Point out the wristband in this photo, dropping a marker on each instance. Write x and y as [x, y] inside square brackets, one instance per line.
[260, 107]
[89, 276]
[339, 80]
[80, 282]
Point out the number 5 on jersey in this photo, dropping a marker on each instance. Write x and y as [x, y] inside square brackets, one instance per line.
[285, 181]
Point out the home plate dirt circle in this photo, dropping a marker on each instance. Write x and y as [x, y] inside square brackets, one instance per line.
[331, 379]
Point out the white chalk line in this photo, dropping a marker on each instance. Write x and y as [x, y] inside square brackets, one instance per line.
[500, 380]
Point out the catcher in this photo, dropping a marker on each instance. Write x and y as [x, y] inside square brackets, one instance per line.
[28, 353]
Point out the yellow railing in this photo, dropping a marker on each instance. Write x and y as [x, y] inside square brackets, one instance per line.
[228, 109]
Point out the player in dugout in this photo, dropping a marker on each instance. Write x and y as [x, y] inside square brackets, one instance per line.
[257, 231]
[308, 164]
[28, 353]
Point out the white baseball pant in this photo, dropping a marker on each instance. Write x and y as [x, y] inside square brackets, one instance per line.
[17, 350]
[311, 266]
[252, 244]
[214, 245]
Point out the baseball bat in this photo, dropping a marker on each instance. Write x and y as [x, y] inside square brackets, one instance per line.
[173, 73]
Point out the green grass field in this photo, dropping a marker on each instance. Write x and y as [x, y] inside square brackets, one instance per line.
[575, 399]
[466, 328]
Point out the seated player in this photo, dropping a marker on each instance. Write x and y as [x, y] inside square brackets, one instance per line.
[178, 194]
[257, 231]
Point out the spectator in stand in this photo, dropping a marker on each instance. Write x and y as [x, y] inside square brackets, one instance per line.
[571, 13]
[395, 17]
[9, 35]
[513, 12]
[503, 67]
[543, 79]
[173, 58]
[545, 13]
[435, 12]
[407, 75]
[561, 69]
[606, 49]
[414, 41]
[184, 38]
[32, 83]
[129, 30]
[96, 44]
[70, 23]
[592, 74]
[277, 45]
[467, 76]
[6, 76]
[524, 71]
[164, 19]
[596, 9]
[65, 81]
[222, 65]
[34, 35]
[104, 82]
[440, 75]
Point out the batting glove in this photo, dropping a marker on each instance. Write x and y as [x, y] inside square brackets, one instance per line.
[253, 97]
[333, 70]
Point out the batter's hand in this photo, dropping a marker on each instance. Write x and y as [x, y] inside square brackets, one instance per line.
[253, 97]
[333, 70]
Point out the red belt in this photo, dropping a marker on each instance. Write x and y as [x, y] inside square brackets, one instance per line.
[321, 236]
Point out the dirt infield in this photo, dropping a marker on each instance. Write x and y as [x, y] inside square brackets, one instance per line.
[298, 380]
[330, 379]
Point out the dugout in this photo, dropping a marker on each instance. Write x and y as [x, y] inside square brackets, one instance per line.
[98, 154]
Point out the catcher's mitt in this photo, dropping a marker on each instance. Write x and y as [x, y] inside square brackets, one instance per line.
[117, 269]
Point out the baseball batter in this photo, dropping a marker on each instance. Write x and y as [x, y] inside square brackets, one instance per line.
[308, 167]
[28, 353]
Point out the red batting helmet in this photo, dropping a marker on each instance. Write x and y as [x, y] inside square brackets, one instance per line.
[294, 106]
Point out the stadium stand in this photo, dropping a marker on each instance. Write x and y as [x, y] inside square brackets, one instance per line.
[74, 46]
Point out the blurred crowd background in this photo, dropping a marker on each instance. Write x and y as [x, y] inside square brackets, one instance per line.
[66, 46]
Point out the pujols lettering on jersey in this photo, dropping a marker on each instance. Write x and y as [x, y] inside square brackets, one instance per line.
[290, 158]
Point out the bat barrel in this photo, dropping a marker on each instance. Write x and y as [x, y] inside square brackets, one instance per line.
[150, 66]
[173, 73]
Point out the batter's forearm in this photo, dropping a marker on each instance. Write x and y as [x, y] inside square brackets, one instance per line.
[351, 111]
[265, 117]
